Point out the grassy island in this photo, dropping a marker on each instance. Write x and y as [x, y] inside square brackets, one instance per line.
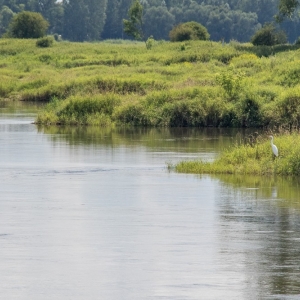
[195, 83]
[252, 159]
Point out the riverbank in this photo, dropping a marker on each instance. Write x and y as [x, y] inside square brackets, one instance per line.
[172, 84]
[252, 158]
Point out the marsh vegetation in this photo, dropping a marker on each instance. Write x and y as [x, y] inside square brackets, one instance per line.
[253, 158]
[195, 83]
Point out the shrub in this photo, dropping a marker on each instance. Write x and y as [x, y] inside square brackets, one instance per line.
[57, 37]
[86, 110]
[44, 42]
[231, 82]
[268, 36]
[131, 114]
[27, 25]
[150, 42]
[249, 112]
[189, 31]
[289, 107]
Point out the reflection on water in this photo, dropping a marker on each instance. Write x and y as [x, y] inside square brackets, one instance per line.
[283, 189]
[93, 213]
[191, 140]
[259, 223]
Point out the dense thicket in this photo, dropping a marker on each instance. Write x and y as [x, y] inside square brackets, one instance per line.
[84, 20]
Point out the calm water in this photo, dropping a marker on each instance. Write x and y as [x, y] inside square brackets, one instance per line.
[91, 213]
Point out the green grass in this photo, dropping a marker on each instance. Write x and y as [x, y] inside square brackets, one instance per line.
[253, 158]
[195, 83]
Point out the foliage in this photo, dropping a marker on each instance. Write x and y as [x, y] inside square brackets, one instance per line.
[286, 9]
[89, 20]
[253, 158]
[188, 31]
[297, 42]
[57, 37]
[134, 26]
[164, 86]
[268, 36]
[231, 82]
[150, 42]
[6, 15]
[83, 19]
[44, 42]
[28, 25]
[158, 22]
[223, 21]
[80, 110]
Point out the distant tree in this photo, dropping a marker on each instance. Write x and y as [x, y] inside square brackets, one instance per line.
[111, 28]
[178, 13]
[231, 24]
[56, 18]
[268, 36]
[83, 19]
[158, 22]
[75, 20]
[245, 25]
[134, 26]
[286, 9]
[51, 10]
[12, 4]
[27, 25]
[6, 15]
[189, 31]
[96, 18]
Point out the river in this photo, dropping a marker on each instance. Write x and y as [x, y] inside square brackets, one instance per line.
[91, 213]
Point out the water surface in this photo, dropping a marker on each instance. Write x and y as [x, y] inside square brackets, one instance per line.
[89, 213]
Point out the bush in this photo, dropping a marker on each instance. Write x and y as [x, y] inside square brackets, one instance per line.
[288, 107]
[44, 42]
[249, 112]
[231, 82]
[189, 31]
[150, 42]
[57, 37]
[27, 25]
[268, 36]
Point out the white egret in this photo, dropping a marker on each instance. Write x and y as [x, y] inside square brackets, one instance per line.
[274, 148]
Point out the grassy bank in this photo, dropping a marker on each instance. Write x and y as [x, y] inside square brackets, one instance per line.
[252, 158]
[173, 84]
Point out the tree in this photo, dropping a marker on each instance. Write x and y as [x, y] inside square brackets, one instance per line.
[6, 15]
[51, 10]
[286, 9]
[96, 18]
[75, 20]
[83, 19]
[111, 27]
[268, 36]
[189, 31]
[158, 22]
[27, 25]
[134, 26]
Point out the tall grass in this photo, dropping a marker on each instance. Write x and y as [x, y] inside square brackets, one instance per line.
[253, 158]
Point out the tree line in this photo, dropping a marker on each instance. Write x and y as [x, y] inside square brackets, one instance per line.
[89, 20]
